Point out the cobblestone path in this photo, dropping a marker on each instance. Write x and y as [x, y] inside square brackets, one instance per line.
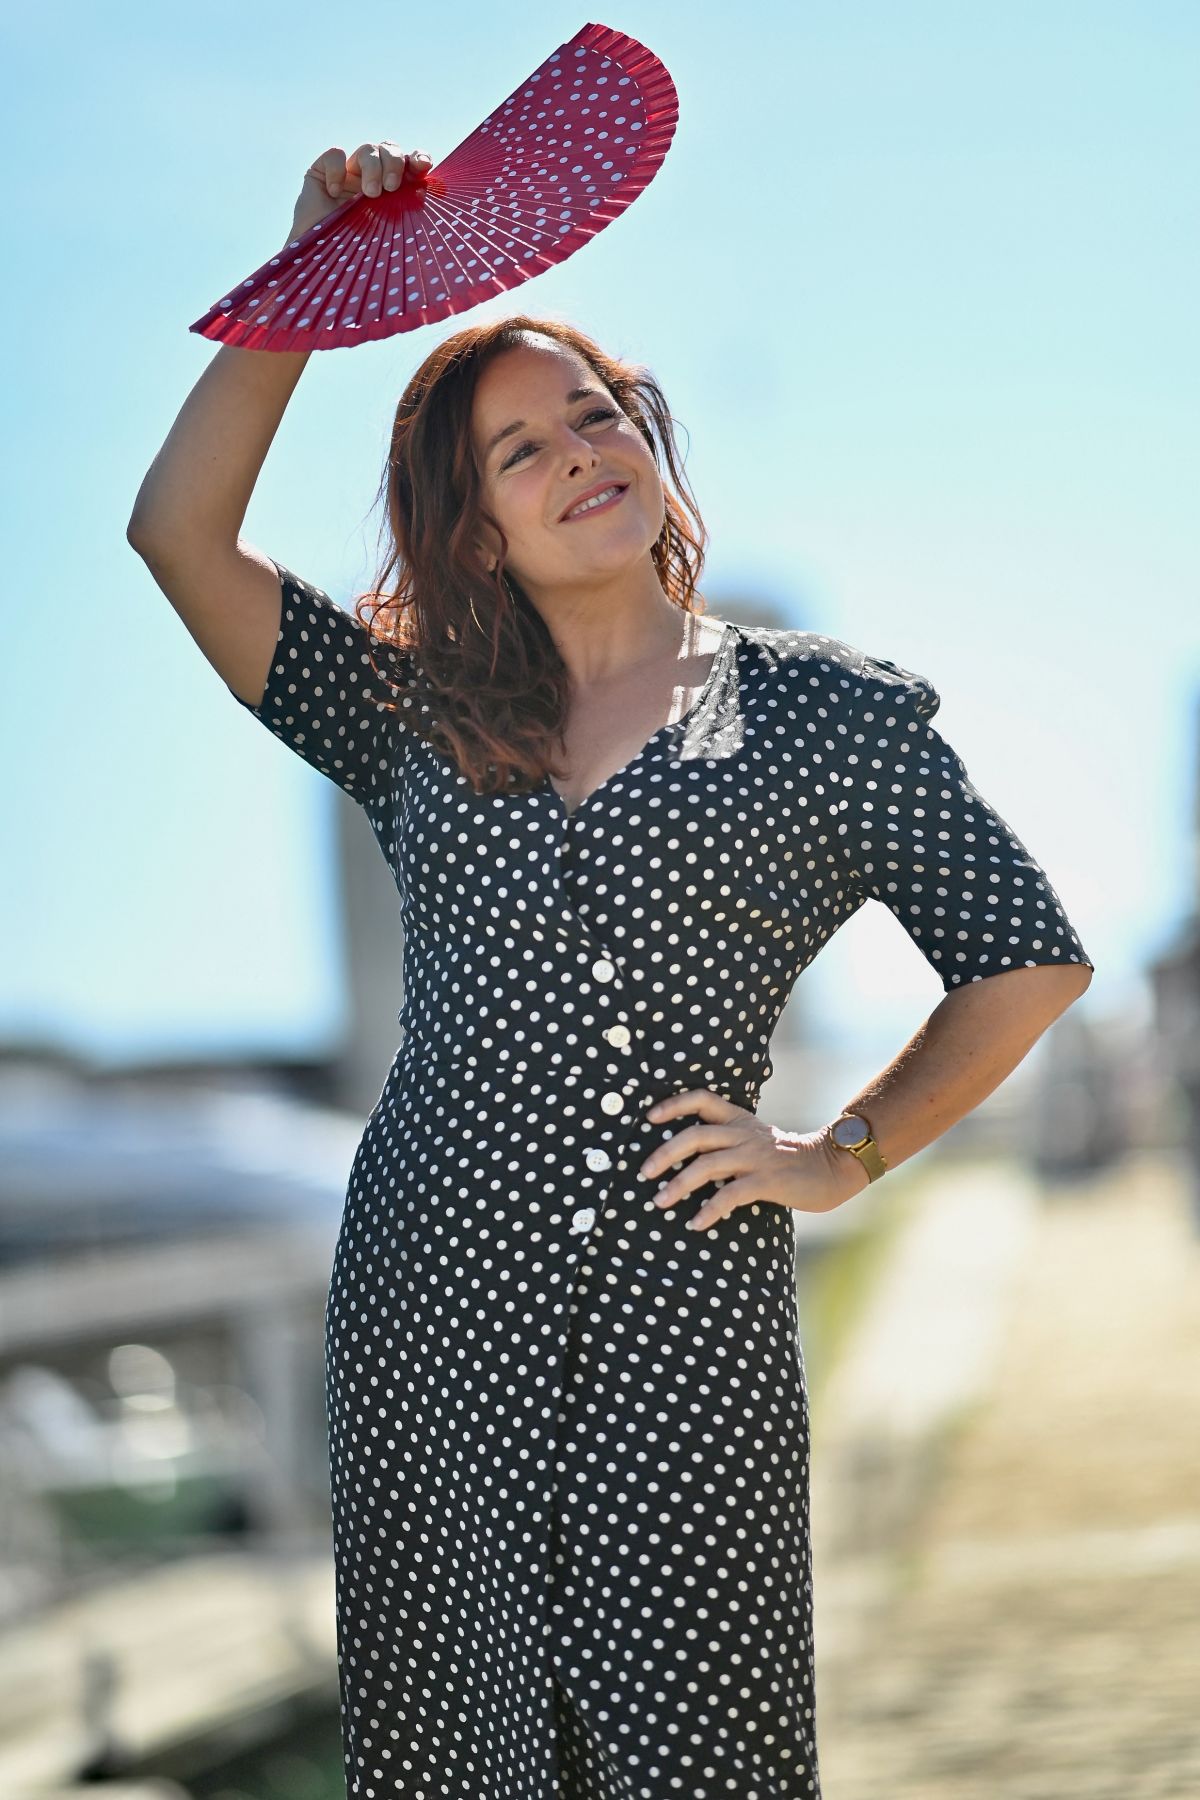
[1037, 1635]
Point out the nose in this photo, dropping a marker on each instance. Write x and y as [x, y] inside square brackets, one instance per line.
[580, 449]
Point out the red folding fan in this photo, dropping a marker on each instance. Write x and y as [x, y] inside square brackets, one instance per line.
[561, 157]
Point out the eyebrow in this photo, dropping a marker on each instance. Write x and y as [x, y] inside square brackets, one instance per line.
[519, 424]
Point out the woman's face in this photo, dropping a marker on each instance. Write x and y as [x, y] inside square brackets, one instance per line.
[564, 448]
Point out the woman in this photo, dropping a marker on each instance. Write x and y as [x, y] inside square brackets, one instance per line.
[567, 1412]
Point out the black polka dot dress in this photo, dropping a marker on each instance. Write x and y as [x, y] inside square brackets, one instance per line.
[569, 1436]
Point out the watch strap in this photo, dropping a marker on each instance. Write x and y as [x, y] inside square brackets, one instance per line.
[868, 1152]
[871, 1158]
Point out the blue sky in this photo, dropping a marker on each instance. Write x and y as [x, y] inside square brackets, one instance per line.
[920, 282]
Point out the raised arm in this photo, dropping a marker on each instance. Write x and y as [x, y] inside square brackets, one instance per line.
[188, 513]
[187, 517]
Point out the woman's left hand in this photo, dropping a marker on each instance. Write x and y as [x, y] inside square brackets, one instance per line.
[754, 1160]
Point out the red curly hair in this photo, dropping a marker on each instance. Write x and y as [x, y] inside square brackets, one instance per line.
[493, 686]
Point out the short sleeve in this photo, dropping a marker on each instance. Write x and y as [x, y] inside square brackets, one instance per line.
[916, 834]
[321, 690]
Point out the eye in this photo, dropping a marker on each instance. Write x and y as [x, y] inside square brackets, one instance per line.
[597, 412]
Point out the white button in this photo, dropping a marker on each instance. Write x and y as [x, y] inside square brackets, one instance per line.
[584, 1220]
[598, 1159]
[611, 1103]
[618, 1034]
[603, 970]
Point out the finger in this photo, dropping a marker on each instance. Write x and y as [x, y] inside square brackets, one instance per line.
[331, 169]
[732, 1195]
[686, 1143]
[717, 1165]
[695, 1100]
[392, 163]
[693, 1138]
[366, 158]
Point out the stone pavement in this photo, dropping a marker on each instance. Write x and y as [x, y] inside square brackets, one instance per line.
[1031, 1630]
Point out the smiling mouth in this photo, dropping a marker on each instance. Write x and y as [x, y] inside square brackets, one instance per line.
[613, 500]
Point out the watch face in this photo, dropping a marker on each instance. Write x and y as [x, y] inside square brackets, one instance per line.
[850, 1131]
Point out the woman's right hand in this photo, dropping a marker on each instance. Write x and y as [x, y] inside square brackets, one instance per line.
[333, 178]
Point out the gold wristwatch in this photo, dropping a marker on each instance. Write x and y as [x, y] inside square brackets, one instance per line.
[851, 1132]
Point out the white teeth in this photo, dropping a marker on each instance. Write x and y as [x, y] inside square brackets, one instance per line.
[596, 500]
